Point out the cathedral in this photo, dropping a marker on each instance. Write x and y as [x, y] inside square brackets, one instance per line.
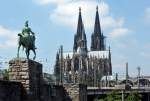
[83, 65]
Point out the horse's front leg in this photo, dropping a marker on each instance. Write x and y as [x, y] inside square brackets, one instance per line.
[34, 54]
[18, 51]
[27, 53]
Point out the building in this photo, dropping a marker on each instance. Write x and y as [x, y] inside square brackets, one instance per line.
[83, 65]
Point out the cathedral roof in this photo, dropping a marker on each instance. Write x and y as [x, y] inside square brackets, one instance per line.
[67, 54]
[110, 78]
[98, 54]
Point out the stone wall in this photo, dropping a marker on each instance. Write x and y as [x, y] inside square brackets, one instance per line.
[14, 91]
[57, 93]
[11, 91]
[77, 92]
[82, 92]
[46, 92]
[29, 73]
[27, 84]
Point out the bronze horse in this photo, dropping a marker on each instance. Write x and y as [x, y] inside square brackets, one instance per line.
[27, 42]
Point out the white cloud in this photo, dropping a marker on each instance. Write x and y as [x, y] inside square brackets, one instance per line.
[147, 14]
[145, 54]
[109, 22]
[65, 13]
[119, 32]
[8, 38]
[45, 2]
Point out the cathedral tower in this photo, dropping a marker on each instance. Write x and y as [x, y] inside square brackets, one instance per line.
[57, 69]
[80, 42]
[97, 38]
[83, 66]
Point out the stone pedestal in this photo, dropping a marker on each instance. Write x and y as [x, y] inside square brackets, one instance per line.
[29, 73]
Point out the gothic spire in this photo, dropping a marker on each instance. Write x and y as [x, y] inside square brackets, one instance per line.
[110, 65]
[80, 26]
[97, 27]
[80, 36]
[97, 38]
[57, 69]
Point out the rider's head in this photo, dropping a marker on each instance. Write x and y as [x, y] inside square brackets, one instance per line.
[26, 23]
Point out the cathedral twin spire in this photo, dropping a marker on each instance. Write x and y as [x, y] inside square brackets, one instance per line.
[80, 27]
[97, 27]
[97, 38]
[80, 36]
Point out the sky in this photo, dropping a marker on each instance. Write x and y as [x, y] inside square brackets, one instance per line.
[125, 23]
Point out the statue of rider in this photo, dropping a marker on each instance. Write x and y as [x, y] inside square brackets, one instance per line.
[27, 31]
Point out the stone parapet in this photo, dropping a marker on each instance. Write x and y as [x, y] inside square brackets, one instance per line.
[29, 73]
[11, 91]
[77, 92]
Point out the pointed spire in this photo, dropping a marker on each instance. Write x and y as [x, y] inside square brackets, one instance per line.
[97, 7]
[80, 9]
[109, 48]
[80, 27]
[110, 65]
[109, 54]
[97, 38]
[57, 56]
[57, 69]
[97, 27]
[80, 36]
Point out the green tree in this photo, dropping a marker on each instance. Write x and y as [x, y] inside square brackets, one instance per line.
[5, 74]
[134, 96]
[114, 96]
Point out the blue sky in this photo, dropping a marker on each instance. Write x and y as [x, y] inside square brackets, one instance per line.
[126, 23]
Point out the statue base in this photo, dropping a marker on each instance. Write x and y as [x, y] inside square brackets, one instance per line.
[29, 73]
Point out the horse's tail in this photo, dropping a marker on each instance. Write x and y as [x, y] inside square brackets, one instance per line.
[19, 34]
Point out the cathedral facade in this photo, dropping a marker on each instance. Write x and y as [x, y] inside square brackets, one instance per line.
[83, 65]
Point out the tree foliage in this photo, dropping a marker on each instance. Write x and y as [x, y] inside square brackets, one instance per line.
[134, 96]
[115, 96]
[5, 74]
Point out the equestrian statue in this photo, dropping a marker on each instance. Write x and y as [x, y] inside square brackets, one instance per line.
[27, 41]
